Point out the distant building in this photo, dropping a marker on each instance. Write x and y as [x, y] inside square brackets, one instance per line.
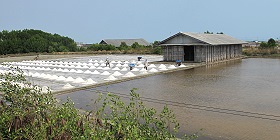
[128, 42]
[252, 44]
[82, 45]
[199, 47]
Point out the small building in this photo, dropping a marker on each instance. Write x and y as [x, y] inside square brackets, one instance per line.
[252, 44]
[200, 47]
[128, 42]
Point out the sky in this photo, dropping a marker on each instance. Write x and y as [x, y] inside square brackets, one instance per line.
[90, 21]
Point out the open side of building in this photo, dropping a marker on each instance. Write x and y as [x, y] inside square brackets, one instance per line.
[199, 47]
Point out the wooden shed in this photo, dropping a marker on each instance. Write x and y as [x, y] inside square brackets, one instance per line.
[200, 47]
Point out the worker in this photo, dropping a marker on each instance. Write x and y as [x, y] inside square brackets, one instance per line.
[146, 64]
[37, 57]
[107, 62]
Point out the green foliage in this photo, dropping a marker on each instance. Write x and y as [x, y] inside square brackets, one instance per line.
[100, 47]
[133, 120]
[271, 43]
[28, 113]
[157, 50]
[207, 32]
[29, 40]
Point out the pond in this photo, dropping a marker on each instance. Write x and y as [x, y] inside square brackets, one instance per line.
[230, 100]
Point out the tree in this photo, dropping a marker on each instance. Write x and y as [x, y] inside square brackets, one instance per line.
[271, 43]
[207, 32]
[135, 45]
[123, 44]
[30, 40]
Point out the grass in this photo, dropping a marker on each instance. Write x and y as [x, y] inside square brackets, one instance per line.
[260, 52]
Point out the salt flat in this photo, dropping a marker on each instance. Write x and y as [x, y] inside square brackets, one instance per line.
[66, 73]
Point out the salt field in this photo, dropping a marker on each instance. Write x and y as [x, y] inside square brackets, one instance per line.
[69, 73]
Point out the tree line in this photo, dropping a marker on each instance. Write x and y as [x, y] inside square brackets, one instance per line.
[30, 40]
[271, 43]
[135, 47]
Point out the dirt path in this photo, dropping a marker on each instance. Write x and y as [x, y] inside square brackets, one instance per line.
[41, 57]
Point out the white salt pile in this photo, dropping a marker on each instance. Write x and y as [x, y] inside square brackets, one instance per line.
[182, 66]
[47, 69]
[125, 65]
[110, 78]
[79, 80]
[61, 78]
[116, 73]
[43, 75]
[71, 66]
[105, 73]
[95, 61]
[92, 67]
[65, 70]
[72, 70]
[67, 86]
[171, 67]
[116, 68]
[124, 69]
[106, 68]
[96, 64]
[161, 66]
[89, 81]
[101, 61]
[87, 72]
[99, 68]
[53, 77]
[69, 79]
[129, 74]
[48, 76]
[118, 65]
[79, 71]
[162, 69]
[78, 67]
[142, 70]
[135, 69]
[103, 65]
[36, 74]
[140, 66]
[153, 70]
[152, 66]
[96, 72]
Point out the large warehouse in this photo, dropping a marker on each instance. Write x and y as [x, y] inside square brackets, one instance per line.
[200, 47]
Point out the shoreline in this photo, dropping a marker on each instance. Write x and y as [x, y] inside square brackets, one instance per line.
[192, 66]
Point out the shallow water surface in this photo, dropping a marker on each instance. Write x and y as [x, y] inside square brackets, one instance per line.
[232, 100]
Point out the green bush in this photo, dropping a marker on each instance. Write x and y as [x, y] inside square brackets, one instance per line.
[157, 50]
[28, 113]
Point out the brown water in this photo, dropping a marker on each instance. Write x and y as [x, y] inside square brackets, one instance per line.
[233, 100]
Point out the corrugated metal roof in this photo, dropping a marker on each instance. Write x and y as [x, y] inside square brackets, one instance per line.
[211, 39]
[129, 42]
